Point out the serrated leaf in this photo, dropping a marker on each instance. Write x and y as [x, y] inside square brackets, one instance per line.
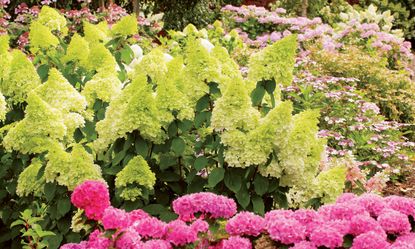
[258, 205]
[243, 197]
[233, 182]
[200, 163]
[216, 176]
[64, 205]
[261, 184]
[178, 145]
[257, 95]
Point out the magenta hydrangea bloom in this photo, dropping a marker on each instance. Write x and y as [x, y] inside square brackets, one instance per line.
[130, 239]
[180, 234]
[216, 206]
[156, 244]
[245, 223]
[114, 218]
[236, 242]
[97, 240]
[394, 222]
[200, 226]
[137, 215]
[369, 240]
[374, 204]
[346, 197]
[341, 211]
[150, 228]
[287, 231]
[82, 245]
[304, 245]
[364, 223]
[402, 246]
[305, 216]
[407, 238]
[401, 204]
[93, 197]
[327, 236]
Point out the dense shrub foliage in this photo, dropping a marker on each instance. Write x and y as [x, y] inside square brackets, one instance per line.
[206, 220]
[175, 120]
[268, 110]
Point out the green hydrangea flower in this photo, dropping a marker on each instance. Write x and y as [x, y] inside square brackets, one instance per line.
[104, 86]
[71, 169]
[133, 178]
[41, 38]
[127, 25]
[41, 129]
[52, 19]
[29, 182]
[78, 50]
[100, 59]
[134, 109]
[3, 107]
[96, 33]
[21, 79]
[274, 62]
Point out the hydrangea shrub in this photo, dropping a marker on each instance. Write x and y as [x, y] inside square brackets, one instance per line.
[207, 220]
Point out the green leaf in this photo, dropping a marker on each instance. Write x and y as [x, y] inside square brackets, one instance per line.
[203, 103]
[46, 233]
[258, 205]
[17, 223]
[257, 95]
[154, 209]
[243, 197]
[178, 145]
[64, 205]
[141, 147]
[233, 182]
[261, 184]
[270, 86]
[127, 55]
[167, 161]
[49, 190]
[216, 176]
[172, 130]
[43, 71]
[200, 163]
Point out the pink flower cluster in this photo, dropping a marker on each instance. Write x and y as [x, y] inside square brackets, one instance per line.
[214, 206]
[372, 222]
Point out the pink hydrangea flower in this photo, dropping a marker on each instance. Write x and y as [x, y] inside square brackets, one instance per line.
[130, 239]
[374, 204]
[394, 222]
[156, 244]
[93, 197]
[150, 227]
[215, 206]
[180, 234]
[369, 240]
[200, 226]
[97, 240]
[401, 204]
[346, 197]
[114, 218]
[304, 245]
[137, 215]
[364, 223]
[341, 211]
[327, 236]
[82, 245]
[236, 242]
[305, 216]
[287, 231]
[245, 223]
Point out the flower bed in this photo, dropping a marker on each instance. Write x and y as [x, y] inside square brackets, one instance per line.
[206, 220]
